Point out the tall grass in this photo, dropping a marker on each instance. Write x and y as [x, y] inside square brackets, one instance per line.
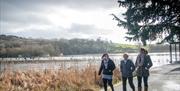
[53, 80]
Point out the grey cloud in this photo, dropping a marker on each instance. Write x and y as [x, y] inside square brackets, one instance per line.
[82, 28]
[24, 19]
[22, 13]
[13, 14]
[55, 32]
[76, 31]
[69, 3]
[87, 29]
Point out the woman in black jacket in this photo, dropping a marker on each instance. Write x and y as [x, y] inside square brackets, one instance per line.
[143, 64]
[106, 68]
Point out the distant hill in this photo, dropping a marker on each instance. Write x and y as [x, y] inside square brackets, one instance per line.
[9, 37]
[14, 46]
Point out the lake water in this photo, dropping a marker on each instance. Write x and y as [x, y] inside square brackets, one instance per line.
[77, 61]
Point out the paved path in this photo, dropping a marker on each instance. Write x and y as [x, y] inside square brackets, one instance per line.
[164, 78]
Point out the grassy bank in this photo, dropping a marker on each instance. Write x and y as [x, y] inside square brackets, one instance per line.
[49, 80]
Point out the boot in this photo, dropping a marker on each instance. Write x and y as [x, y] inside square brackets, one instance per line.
[139, 88]
[145, 88]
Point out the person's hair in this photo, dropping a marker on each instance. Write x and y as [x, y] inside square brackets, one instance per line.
[142, 49]
[146, 51]
[105, 54]
[125, 54]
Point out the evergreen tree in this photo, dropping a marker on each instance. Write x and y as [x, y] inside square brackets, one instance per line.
[151, 19]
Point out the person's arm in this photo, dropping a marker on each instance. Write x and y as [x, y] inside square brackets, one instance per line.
[121, 69]
[150, 64]
[114, 66]
[121, 66]
[132, 66]
[100, 69]
[136, 63]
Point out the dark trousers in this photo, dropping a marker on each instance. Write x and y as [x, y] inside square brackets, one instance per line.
[130, 80]
[109, 82]
[145, 79]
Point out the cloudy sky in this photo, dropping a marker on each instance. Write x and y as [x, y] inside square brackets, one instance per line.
[68, 19]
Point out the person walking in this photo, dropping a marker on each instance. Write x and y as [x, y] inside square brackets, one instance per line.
[107, 67]
[143, 64]
[127, 67]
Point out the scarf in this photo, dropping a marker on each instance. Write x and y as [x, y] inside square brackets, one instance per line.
[140, 60]
[105, 63]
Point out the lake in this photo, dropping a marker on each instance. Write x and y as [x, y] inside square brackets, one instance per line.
[77, 61]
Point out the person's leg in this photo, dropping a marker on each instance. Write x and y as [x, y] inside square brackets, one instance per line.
[124, 83]
[110, 84]
[105, 84]
[139, 78]
[130, 80]
[145, 79]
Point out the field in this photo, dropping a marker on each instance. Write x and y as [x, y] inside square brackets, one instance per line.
[71, 79]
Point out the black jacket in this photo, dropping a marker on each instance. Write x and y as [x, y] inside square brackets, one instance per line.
[144, 69]
[109, 71]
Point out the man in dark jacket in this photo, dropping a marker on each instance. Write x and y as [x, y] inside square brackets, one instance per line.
[106, 68]
[127, 67]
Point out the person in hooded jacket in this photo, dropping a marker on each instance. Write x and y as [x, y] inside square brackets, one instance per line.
[106, 69]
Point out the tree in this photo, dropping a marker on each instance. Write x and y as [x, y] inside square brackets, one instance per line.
[151, 20]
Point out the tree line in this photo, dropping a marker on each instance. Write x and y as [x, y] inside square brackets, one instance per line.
[14, 46]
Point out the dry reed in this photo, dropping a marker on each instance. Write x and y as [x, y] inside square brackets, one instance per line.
[53, 80]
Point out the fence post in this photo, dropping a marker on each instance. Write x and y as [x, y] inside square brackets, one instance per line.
[95, 76]
[170, 49]
[175, 52]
